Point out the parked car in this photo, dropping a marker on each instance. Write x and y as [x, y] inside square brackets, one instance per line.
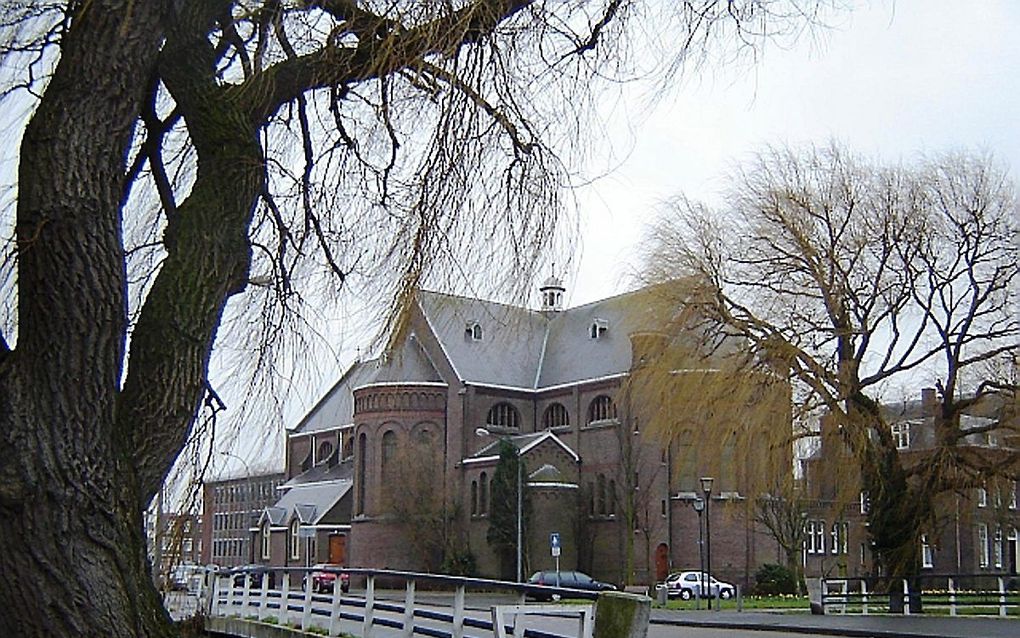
[255, 574]
[566, 579]
[687, 585]
[186, 577]
[324, 581]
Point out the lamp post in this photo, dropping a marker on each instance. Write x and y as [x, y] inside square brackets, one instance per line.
[706, 487]
[699, 507]
[483, 432]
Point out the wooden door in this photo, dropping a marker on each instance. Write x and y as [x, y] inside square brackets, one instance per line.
[338, 549]
[661, 562]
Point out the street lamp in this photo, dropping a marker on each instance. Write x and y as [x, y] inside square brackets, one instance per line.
[517, 451]
[706, 487]
[699, 507]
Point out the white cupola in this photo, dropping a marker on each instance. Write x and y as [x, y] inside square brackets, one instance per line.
[552, 294]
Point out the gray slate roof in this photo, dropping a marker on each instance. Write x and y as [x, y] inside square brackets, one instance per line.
[408, 364]
[519, 348]
[310, 502]
[510, 350]
[530, 349]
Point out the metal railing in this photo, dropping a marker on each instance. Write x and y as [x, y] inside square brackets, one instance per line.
[284, 596]
[952, 594]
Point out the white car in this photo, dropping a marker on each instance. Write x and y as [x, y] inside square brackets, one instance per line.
[687, 585]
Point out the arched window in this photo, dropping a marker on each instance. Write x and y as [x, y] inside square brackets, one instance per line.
[474, 498]
[389, 454]
[424, 437]
[324, 453]
[362, 456]
[602, 408]
[266, 541]
[503, 415]
[483, 494]
[556, 416]
[295, 539]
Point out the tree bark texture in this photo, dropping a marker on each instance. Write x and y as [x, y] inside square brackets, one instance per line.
[88, 431]
[72, 551]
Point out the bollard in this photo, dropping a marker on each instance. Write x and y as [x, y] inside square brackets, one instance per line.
[622, 615]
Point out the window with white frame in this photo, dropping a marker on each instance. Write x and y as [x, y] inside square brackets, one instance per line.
[901, 435]
[982, 548]
[473, 331]
[997, 548]
[982, 497]
[815, 537]
[266, 541]
[927, 557]
[295, 539]
[1012, 495]
[865, 502]
[839, 538]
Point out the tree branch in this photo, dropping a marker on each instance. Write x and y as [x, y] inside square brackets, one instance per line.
[394, 48]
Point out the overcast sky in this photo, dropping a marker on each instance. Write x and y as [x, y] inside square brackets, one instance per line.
[891, 80]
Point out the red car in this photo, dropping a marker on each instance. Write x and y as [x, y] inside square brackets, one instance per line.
[324, 581]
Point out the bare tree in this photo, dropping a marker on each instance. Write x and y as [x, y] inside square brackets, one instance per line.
[853, 276]
[427, 518]
[783, 515]
[176, 152]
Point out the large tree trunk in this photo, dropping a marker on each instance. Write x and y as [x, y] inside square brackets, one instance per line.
[72, 551]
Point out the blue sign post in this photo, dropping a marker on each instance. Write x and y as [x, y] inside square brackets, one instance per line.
[554, 545]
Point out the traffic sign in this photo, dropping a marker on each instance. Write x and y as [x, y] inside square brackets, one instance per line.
[554, 540]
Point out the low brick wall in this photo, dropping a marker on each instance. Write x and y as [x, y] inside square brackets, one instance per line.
[251, 629]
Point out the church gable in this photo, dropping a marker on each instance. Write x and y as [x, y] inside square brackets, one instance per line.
[550, 460]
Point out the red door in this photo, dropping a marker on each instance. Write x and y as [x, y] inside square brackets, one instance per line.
[338, 549]
[661, 562]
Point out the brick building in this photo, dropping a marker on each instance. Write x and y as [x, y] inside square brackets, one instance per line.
[976, 531]
[230, 508]
[401, 431]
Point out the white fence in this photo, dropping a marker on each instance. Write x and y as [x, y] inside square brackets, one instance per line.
[952, 594]
[280, 597]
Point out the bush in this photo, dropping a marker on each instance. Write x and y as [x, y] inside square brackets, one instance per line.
[459, 563]
[771, 580]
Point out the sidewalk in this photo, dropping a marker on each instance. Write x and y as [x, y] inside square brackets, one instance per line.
[846, 625]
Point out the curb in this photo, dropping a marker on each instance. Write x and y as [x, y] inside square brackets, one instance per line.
[796, 629]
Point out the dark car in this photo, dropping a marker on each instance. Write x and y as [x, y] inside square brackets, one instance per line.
[254, 574]
[325, 577]
[565, 579]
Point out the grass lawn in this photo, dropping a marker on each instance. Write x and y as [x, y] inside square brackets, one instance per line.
[785, 603]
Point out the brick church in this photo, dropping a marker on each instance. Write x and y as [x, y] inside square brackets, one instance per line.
[393, 468]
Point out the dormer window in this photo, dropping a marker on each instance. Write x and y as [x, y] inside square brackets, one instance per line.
[598, 328]
[325, 452]
[473, 331]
